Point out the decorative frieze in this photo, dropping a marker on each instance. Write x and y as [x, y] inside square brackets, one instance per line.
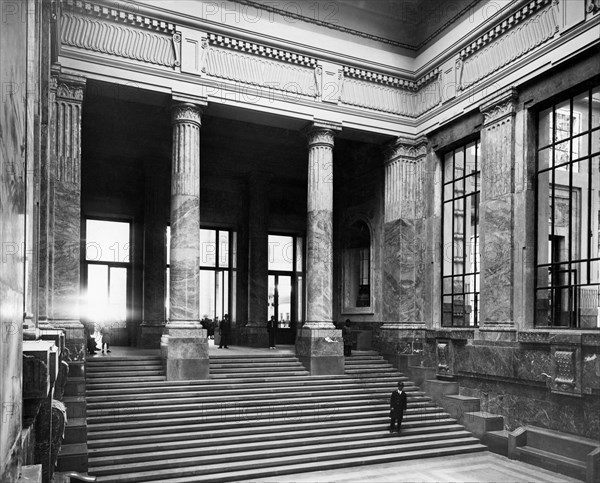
[444, 366]
[402, 98]
[113, 32]
[515, 36]
[265, 71]
[566, 370]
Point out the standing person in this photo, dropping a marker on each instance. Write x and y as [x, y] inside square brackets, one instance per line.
[397, 407]
[225, 330]
[347, 336]
[272, 329]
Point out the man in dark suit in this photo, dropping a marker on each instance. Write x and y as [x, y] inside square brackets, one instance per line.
[397, 407]
[272, 329]
[225, 331]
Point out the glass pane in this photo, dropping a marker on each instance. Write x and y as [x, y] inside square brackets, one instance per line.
[299, 254]
[284, 293]
[459, 164]
[544, 127]
[543, 308]
[271, 295]
[596, 107]
[545, 159]
[168, 244]
[234, 250]
[447, 240]
[562, 154]
[207, 294]
[447, 311]
[167, 292]
[595, 141]
[221, 294]
[581, 104]
[448, 191]
[562, 130]
[208, 248]
[470, 160]
[223, 249]
[544, 217]
[97, 292]
[459, 188]
[300, 299]
[580, 146]
[448, 167]
[447, 285]
[459, 236]
[118, 294]
[587, 302]
[107, 241]
[281, 253]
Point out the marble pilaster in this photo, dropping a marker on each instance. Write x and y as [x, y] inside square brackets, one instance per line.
[255, 332]
[496, 219]
[184, 344]
[156, 198]
[61, 283]
[404, 250]
[319, 345]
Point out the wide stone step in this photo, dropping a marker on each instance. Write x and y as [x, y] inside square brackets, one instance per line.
[132, 418]
[243, 427]
[206, 472]
[226, 374]
[111, 362]
[109, 449]
[103, 409]
[122, 373]
[115, 369]
[263, 361]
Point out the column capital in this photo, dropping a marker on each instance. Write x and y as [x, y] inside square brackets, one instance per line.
[321, 133]
[186, 112]
[409, 148]
[499, 106]
[68, 87]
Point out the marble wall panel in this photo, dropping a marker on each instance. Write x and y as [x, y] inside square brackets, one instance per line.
[496, 266]
[13, 150]
[391, 271]
[591, 369]
[319, 254]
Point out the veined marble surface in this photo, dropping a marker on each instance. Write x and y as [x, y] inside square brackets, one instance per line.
[319, 276]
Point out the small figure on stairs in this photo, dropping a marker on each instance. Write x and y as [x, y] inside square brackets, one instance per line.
[347, 336]
[397, 407]
[272, 329]
[225, 329]
[105, 334]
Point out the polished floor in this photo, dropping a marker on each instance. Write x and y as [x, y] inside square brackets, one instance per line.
[479, 467]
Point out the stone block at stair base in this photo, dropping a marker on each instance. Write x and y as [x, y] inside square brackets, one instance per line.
[321, 351]
[254, 336]
[480, 422]
[457, 405]
[402, 361]
[150, 336]
[185, 354]
[496, 441]
[437, 389]
[420, 374]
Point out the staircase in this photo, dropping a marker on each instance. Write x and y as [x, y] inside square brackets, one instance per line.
[258, 415]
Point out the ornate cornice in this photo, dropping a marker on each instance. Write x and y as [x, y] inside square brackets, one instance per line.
[185, 112]
[261, 50]
[390, 80]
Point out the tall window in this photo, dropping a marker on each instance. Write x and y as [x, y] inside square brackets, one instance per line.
[460, 266]
[568, 213]
[357, 268]
[107, 275]
[286, 290]
[218, 273]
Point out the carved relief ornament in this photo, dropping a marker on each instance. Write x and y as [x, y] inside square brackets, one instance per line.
[321, 133]
[406, 148]
[499, 107]
[68, 88]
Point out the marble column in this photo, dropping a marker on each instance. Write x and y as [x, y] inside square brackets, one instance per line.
[404, 290]
[319, 345]
[496, 217]
[255, 332]
[62, 230]
[184, 344]
[155, 216]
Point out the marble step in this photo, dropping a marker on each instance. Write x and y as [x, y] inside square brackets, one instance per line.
[325, 465]
[244, 427]
[114, 368]
[248, 361]
[224, 374]
[124, 373]
[257, 366]
[108, 441]
[309, 462]
[103, 450]
[133, 418]
[134, 393]
[99, 409]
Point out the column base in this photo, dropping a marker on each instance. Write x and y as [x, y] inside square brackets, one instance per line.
[150, 336]
[402, 344]
[254, 336]
[74, 334]
[185, 354]
[321, 351]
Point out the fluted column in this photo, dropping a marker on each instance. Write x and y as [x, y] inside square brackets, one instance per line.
[496, 219]
[61, 237]
[318, 345]
[184, 344]
[404, 249]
